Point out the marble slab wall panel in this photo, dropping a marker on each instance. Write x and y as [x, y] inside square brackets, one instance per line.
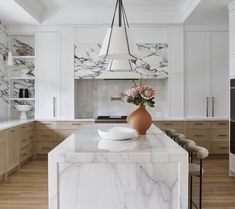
[119, 186]
[152, 63]
[21, 64]
[4, 80]
[93, 98]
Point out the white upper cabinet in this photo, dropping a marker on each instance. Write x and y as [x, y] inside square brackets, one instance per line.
[197, 62]
[207, 74]
[220, 74]
[47, 50]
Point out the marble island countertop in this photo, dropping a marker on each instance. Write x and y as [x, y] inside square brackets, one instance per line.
[86, 145]
[149, 172]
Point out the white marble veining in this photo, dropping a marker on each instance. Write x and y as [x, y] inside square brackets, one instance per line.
[150, 172]
[152, 63]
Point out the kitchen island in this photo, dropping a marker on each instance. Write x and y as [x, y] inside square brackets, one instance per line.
[86, 172]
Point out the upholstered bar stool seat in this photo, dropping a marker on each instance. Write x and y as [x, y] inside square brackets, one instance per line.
[177, 137]
[170, 131]
[186, 142]
[194, 169]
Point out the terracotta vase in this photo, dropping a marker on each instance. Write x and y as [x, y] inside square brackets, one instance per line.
[140, 120]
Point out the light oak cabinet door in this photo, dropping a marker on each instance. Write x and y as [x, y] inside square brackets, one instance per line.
[12, 149]
[3, 153]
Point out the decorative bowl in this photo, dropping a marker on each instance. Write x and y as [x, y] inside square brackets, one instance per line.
[22, 51]
[117, 133]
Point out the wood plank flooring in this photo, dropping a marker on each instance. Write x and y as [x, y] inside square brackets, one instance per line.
[27, 188]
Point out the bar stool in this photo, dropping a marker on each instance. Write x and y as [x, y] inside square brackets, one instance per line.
[196, 170]
[170, 131]
[185, 142]
[177, 136]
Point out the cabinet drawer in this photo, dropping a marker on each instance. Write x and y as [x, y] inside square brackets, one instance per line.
[220, 125]
[26, 139]
[46, 125]
[63, 134]
[27, 127]
[45, 147]
[206, 145]
[219, 148]
[70, 125]
[3, 134]
[26, 152]
[220, 135]
[46, 135]
[198, 135]
[170, 124]
[197, 125]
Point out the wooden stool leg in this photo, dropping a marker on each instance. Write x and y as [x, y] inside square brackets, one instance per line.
[200, 189]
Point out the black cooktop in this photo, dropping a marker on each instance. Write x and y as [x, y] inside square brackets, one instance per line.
[106, 117]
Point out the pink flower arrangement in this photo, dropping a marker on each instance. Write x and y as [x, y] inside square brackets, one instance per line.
[141, 95]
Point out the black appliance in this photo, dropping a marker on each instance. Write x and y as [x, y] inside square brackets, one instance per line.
[111, 119]
[232, 116]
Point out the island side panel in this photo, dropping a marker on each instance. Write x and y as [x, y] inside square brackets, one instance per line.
[119, 186]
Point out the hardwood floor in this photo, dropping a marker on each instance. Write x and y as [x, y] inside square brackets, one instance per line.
[27, 188]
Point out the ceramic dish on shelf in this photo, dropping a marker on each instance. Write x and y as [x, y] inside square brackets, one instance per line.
[117, 133]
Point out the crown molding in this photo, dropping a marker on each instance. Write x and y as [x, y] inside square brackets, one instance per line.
[231, 6]
[33, 8]
[185, 8]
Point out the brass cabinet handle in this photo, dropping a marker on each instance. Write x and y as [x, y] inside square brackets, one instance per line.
[223, 147]
[222, 135]
[168, 124]
[198, 135]
[46, 148]
[198, 124]
[213, 106]
[76, 124]
[44, 135]
[222, 124]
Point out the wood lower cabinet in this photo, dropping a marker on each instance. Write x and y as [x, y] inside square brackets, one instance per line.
[26, 141]
[12, 149]
[51, 133]
[46, 137]
[213, 135]
[3, 153]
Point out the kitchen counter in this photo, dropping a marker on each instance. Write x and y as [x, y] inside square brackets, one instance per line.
[149, 172]
[13, 123]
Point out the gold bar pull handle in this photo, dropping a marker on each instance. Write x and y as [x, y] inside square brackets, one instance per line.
[207, 106]
[213, 106]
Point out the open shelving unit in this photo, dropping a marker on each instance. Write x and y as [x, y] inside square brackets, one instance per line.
[19, 79]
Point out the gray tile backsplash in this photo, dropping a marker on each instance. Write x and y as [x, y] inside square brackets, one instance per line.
[93, 98]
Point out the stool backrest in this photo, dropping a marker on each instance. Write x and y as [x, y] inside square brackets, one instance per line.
[200, 152]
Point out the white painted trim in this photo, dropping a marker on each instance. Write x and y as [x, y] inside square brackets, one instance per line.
[206, 28]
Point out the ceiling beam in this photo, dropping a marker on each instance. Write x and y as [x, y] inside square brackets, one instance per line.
[33, 8]
[185, 8]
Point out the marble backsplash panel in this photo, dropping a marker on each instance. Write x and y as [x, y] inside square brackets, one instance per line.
[4, 81]
[93, 98]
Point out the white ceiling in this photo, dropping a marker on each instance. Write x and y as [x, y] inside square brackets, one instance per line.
[51, 4]
[209, 12]
[64, 12]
